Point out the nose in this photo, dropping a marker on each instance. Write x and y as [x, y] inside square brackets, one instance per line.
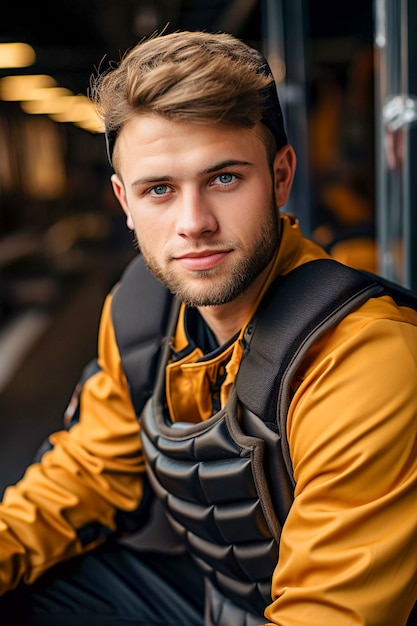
[195, 215]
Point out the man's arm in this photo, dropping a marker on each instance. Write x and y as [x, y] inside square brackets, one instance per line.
[348, 550]
[70, 501]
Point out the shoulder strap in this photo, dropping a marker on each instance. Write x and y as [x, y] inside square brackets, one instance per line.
[299, 308]
[141, 309]
[401, 295]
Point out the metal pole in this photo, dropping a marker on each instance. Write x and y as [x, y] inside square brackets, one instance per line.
[396, 117]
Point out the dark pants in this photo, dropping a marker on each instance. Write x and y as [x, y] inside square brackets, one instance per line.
[113, 586]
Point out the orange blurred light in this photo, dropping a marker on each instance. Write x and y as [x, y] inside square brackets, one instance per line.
[16, 55]
[18, 87]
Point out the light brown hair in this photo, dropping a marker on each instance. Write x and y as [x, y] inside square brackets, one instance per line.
[185, 76]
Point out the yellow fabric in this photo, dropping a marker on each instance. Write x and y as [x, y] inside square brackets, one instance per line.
[92, 470]
[348, 550]
[189, 385]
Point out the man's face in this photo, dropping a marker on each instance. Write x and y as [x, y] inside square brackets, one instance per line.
[201, 201]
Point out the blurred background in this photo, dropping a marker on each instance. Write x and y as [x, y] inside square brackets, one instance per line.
[345, 75]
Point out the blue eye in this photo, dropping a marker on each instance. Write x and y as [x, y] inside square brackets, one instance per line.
[159, 190]
[226, 179]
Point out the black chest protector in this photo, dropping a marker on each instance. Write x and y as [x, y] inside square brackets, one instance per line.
[214, 479]
[226, 484]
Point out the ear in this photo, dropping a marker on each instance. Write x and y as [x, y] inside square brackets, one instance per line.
[119, 192]
[284, 170]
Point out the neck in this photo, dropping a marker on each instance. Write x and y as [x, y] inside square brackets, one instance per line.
[223, 323]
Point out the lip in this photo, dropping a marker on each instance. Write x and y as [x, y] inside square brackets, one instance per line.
[199, 261]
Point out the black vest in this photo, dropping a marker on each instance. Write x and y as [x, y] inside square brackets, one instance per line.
[226, 484]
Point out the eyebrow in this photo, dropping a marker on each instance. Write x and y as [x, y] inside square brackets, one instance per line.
[146, 180]
[223, 164]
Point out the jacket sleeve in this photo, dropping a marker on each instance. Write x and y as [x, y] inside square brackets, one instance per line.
[70, 501]
[348, 550]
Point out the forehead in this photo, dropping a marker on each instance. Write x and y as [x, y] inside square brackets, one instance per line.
[153, 141]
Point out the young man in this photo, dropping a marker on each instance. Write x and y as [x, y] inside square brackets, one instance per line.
[201, 166]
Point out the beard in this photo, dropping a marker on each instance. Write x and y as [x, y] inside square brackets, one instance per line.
[218, 286]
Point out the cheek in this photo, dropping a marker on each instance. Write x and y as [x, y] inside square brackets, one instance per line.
[255, 209]
[149, 232]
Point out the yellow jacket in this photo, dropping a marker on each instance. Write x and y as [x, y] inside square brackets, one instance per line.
[348, 550]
